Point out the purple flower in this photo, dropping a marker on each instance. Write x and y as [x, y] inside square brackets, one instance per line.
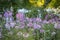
[10, 13]
[30, 19]
[45, 21]
[34, 19]
[27, 18]
[22, 17]
[30, 24]
[52, 21]
[11, 19]
[36, 26]
[22, 25]
[41, 30]
[12, 24]
[38, 20]
[6, 14]
[46, 17]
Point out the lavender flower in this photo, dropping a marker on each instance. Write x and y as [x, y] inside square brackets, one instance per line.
[12, 24]
[46, 17]
[33, 19]
[9, 13]
[11, 19]
[45, 21]
[38, 20]
[52, 21]
[30, 24]
[30, 19]
[36, 26]
[6, 14]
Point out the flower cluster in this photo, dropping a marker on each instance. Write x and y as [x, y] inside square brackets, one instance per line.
[24, 28]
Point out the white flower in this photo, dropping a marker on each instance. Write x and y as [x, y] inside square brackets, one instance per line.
[22, 10]
[49, 9]
[17, 27]
[19, 33]
[26, 35]
[53, 33]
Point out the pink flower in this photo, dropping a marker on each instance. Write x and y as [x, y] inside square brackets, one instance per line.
[20, 16]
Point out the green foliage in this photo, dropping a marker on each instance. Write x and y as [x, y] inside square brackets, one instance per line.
[54, 3]
[33, 13]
